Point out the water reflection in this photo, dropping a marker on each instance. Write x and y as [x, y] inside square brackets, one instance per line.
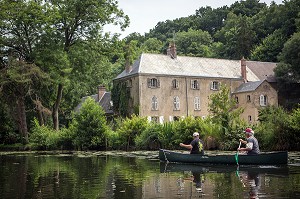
[251, 180]
[107, 176]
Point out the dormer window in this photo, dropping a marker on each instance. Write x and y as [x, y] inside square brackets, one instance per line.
[215, 86]
[195, 84]
[175, 84]
[153, 83]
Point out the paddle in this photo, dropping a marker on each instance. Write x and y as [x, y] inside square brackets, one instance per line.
[237, 155]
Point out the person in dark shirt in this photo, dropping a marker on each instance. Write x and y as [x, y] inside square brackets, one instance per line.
[252, 147]
[196, 146]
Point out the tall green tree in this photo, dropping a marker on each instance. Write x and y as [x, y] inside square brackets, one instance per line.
[74, 21]
[16, 79]
[193, 42]
[237, 35]
[223, 110]
[288, 71]
[20, 28]
[270, 47]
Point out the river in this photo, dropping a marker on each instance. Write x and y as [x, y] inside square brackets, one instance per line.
[139, 175]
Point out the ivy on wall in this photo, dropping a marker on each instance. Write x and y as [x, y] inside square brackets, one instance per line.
[120, 95]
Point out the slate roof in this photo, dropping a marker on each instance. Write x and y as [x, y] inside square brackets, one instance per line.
[248, 86]
[104, 102]
[158, 64]
[263, 70]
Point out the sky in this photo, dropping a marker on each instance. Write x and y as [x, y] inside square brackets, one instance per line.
[145, 14]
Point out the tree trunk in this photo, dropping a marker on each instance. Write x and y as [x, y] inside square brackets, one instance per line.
[40, 113]
[56, 106]
[21, 119]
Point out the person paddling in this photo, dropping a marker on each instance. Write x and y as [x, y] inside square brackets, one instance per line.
[196, 146]
[252, 147]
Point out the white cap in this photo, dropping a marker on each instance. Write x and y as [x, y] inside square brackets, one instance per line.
[195, 134]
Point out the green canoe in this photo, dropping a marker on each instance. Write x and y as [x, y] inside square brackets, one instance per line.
[268, 158]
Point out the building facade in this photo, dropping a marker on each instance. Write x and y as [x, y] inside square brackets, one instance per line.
[168, 87]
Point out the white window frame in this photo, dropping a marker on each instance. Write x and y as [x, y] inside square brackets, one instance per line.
[215, 85]
[176, 103]
[175, 84]
[197, 106]
[161, 119]
[248, 98]
[263, 100]
[195, 84]
[249, 118]
[153, 83]
[154, 103]
[236, 99]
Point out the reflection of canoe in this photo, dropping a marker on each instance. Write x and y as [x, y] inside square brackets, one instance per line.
[282, 170]
[270, 158]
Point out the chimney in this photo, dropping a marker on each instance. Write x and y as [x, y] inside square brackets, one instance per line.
[101, 92]
[172, 51]
[243, 69]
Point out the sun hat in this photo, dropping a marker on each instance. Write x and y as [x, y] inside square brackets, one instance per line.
[249, 130]
[195, 134]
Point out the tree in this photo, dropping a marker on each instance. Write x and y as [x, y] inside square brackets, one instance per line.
[289, 68]
[152, 45]
[193, 42]
[90, 126]
[237, 36]
[76, 20]
[224, 112]
[270, 47]
[20, 28]
[16, 79]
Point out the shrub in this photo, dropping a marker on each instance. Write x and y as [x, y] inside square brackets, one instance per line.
[46, 138]
[89, 126]
[130, 129]
[149, 138]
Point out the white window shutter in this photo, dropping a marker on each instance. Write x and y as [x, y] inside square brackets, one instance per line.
[161, 119]
[261, 100]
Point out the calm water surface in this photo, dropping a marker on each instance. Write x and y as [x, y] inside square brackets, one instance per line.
[117, 175]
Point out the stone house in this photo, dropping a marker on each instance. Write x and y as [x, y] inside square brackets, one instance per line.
[103, 98]
[169, 87]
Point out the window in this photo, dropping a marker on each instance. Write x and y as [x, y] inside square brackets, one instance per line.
[263, 100]
[153, 83]
[249, 118]
[175, 84]
[176, 118]
[154, 103]
[176, 103]
[215, 85]
[196, 103]
[129, 83]
[154, 119]
[237, 100]
[248, 98]
[194, 84]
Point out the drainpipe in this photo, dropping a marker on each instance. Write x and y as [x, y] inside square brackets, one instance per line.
[186, 98]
